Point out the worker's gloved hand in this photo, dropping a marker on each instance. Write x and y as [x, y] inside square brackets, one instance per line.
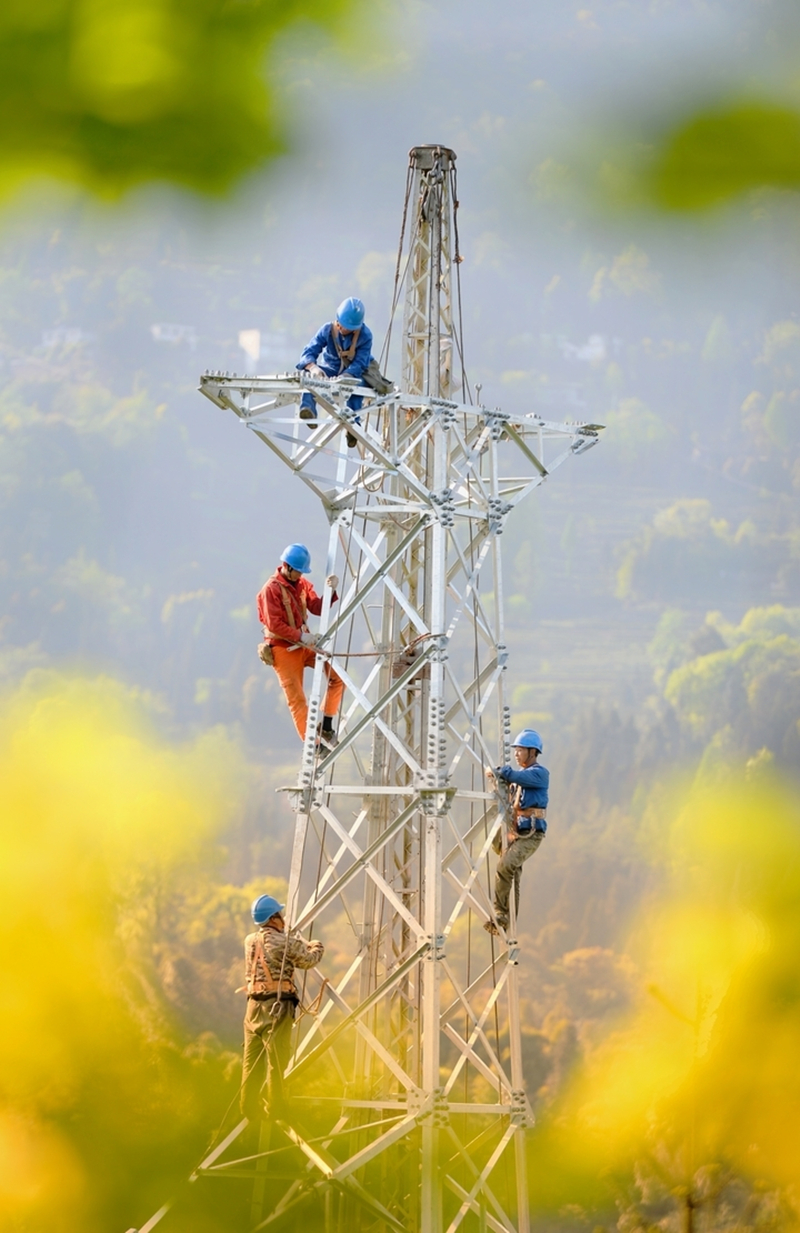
[332, 581]
[309, 639]
[490, 774]
[314, 370]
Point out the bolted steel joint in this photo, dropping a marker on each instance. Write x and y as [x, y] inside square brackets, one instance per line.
[430, 781]
[496, 421]
[442, 502]
[497, 511]
[415, 1100]
[519, 1114]
[436, 799]
[441, 1109]
[436, 948]
[306, 799]
[438, 654]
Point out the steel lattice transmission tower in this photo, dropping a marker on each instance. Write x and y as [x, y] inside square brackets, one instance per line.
[412, 1066]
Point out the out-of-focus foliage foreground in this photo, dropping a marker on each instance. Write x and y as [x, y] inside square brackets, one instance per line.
[653, 623]
[723, 151]
[110, 93]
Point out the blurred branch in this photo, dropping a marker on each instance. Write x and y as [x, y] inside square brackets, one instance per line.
[114, 93]
[722, 152]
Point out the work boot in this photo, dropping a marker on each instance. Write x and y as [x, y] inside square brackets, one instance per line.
[308, 413]
[352, 441]
[327, 738]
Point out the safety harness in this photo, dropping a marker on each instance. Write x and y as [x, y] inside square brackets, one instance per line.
[348, 354]
[534, 811]
[265, 650]
[264, 985]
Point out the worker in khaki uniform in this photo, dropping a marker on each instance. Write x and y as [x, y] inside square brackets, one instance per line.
[271, 956]
[527, 822]
[284, 603]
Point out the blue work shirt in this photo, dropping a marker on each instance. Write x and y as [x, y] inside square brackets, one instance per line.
[534, 781]
[322, 350]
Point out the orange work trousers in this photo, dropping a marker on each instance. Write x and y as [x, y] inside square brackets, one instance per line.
[289, 666]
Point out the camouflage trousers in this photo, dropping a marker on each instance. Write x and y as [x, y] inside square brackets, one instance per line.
[267, 1047]
[509, 873]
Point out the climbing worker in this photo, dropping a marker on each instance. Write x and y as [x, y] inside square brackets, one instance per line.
[526, 819]
[270, 957]
[341, 348]
[283, 605]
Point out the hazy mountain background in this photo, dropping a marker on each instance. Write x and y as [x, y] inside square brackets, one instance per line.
[654, 584]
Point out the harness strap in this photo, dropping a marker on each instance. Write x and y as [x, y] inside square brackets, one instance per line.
[533, 811]
[291, 615]
[272, 985]
[346, 355]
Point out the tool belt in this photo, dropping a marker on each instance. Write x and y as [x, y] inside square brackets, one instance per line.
[285, 996]
[266, 988]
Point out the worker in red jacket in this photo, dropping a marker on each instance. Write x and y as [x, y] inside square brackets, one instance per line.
[283, 605]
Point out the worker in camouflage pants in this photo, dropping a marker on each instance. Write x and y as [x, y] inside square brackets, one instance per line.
[271, 956]
[527, 823]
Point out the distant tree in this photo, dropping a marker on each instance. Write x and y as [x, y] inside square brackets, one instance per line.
[634, 432]
[757, 685]
[687, 552]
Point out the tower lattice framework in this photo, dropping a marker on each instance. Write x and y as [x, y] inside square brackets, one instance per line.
[410, 1069]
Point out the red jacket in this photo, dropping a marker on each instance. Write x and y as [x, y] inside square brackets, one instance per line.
[282, 607]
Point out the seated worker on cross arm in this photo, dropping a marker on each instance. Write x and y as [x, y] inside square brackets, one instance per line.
[341, 348]
[526, 818]
[283, 605]
[270, 957]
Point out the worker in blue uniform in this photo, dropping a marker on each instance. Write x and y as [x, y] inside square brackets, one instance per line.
[341, 348]
[526, 821]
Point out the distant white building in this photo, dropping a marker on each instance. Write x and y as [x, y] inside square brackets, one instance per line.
[589, 352]
[269, 351]
[168, 333]
[65, 336]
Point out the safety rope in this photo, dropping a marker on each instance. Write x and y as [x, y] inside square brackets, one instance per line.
[398, 281]
[392, 652]
[466, 393]
[314, 1008]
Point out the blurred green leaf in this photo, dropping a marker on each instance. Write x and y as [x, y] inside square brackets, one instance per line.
[113, 93]
[724, 151]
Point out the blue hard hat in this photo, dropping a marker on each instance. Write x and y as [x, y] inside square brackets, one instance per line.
[298, 557]
[264, 908]
[527, 739]
[350, 313]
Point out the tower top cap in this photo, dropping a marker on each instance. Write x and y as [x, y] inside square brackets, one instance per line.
[424, 156]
